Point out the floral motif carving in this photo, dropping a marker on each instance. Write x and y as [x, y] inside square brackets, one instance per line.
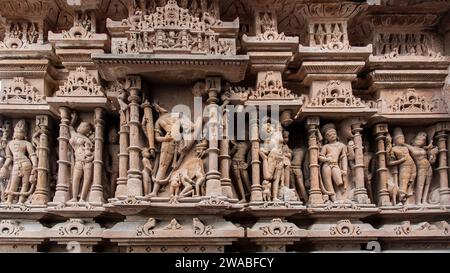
[75, 227]
[277, 228]
[80, 83]
[10, 228]
[147, 228]
[20, 92]
[345, 228]
[200, 228]
[174, 225]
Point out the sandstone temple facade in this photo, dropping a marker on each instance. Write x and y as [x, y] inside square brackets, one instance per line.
[224, 125]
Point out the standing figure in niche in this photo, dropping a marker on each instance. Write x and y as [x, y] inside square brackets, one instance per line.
[273, 161]
[287, 153]
[333, 157]
[112, 159]
[401, 157]
[81, 141]
[239, 167]
[298, 157]
[21, 155]
[423, 156]
[147, 170]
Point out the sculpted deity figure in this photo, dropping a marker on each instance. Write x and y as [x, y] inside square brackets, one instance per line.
[298, 157]
[399, 156]
[424, 157]
[333, 157]
[3, 143]
[271, 152]
[112, 159]
[174, 133]
[239, 167]
[287, 153]
[81, 141]
[147, 170]
[21, 155]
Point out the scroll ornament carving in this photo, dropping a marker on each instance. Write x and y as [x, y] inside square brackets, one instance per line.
[80, 83]
[334, 94]
[174, 225]
[147, 228]
[200, 228]
[75, 227]
[174, 29]
[20, 92]
[10, 228]
[411, 102]
[277, 228]
[345, 228]
[405, 228]
[20, 35]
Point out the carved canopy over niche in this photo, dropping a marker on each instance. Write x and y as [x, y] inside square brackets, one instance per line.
[412, 102]
[173, 29]
[335, 94]
[80, 83]
[18, 91]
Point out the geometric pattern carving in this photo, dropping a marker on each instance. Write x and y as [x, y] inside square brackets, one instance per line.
[20, 92]
[80, 84]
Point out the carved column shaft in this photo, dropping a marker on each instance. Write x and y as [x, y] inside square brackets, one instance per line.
[444, 191]
[148, 114]
[383, 194]
[360, 191]
[62, 186]
[40, 196]
[315, 194]
[96, 195]
[256, 194]
[121, 188]
[225, 159]
[213, 186]
[134, 183]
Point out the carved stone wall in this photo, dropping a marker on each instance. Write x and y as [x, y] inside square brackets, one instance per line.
[221, 126]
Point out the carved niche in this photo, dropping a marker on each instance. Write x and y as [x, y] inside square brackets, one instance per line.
[80, 83]
[336, 94]
[19, 91]
[173, 29]
[413, 102]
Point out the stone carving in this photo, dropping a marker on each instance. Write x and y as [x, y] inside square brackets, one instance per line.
[239, 167]
[80, 83]
[200, 228]
[174, 225]
[392, 45]
[411, 102]
[21, 35]
[345, 228]
[406, 228]
[147, 228]
[10, 228]
[20, 165]
[277, 228]
[329, 35]
[335, 94]
[112, 159]
[75, 227]
[333, 157]
[271, 87]
[18, 91]
[267, 29]
[172, 29]
[82, 144]
[83, 26]
[398, 155]
[298, 159]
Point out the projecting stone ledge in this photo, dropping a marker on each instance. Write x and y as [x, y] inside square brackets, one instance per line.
[171, 68]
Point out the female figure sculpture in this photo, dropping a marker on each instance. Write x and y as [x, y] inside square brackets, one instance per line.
[406, 167]
[83, 148]
[423, 157]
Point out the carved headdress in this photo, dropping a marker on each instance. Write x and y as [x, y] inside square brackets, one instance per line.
[398, 132]
[21, 127]
[327, 127]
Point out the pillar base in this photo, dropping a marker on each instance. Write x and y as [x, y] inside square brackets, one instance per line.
[96, 195]
[383, 198]
[256, 195]
[61, 196]
[361, 196]
[134, 186]
[444, 196]
[315, 197]
[40, 197]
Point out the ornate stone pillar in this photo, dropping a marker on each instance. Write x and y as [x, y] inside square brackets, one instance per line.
[360, 190]
[256, 188]
[96, 195]
[40, 196]
[444, 191]
[148, 114]
[121, 189]
[62, 185]
[134, 183]
[213, 185]
[225, 158]
[315, 194]
[380, 132]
